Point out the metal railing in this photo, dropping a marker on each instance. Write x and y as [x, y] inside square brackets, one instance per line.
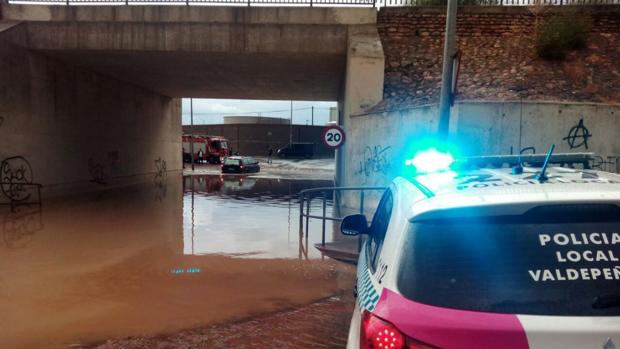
[305, 199]
[323, 3]
[247, 3]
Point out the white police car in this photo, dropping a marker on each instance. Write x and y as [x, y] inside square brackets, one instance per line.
[484, 258]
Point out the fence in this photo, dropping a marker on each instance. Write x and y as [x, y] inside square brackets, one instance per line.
[322, 3]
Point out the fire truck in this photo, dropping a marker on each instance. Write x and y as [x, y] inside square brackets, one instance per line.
[212, 148]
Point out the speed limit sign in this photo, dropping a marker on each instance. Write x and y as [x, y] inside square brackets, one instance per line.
[333, 136]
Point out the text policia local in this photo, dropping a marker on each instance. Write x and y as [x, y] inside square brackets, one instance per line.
[594, 248]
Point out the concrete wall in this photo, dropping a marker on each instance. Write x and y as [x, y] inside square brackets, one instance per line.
[363, 83]
[256, 139]
[193, 14]
[81, 131]
[378, 142]
[203, 52]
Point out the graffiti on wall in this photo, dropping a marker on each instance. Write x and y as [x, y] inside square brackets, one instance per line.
[160, 169]
[102, 171]
[375, 159]
[160, 179]
[578, 136]
[97, 172]
[608, 163]
[16, 179]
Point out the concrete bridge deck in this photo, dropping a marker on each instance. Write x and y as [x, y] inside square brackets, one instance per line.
[114, 73]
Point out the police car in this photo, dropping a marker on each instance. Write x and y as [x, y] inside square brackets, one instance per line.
[477, 258]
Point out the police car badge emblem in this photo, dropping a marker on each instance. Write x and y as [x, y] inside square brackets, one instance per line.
[609, 344]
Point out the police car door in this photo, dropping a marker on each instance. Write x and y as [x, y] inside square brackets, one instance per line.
[368, 270]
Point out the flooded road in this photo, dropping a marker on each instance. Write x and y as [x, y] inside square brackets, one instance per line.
[248, 217]
[159, 258]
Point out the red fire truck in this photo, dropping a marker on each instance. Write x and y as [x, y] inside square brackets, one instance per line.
[212, 148]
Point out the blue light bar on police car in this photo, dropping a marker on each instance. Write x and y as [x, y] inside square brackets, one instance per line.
[430, 160]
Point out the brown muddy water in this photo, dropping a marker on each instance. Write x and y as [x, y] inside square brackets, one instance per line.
[156, 259]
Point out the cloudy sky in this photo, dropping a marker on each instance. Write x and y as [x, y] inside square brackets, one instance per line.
[211, 111]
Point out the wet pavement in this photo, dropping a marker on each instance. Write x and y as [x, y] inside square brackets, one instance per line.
[181, 253]
[320, 325]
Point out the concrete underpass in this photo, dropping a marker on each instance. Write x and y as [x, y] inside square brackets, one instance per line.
[99, 88]
[102, 236]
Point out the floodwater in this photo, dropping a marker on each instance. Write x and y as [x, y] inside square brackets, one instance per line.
[260, 217]
[159, 258]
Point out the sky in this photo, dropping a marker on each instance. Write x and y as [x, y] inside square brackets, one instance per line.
[211, 111]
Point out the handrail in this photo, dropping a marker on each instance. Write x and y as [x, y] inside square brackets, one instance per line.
[305, 196]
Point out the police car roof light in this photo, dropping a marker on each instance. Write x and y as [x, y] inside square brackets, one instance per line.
[534, 160]
[431, 160]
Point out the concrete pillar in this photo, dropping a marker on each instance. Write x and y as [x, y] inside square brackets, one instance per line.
[363, 85]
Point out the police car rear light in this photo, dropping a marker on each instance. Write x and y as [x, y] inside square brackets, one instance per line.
[377, 333]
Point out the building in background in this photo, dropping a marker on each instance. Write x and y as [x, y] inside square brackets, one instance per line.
[254, 135]
[263, 120]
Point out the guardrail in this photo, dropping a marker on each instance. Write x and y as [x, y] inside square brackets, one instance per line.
[306, 196]
[247, 3]
[321, 3]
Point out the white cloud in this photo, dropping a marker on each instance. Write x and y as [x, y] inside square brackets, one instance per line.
[211, 111]
[221, 108]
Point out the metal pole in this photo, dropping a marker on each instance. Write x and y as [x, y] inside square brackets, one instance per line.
[191, 178]
[191, 136]
[449, 51]
[324, 213]
[362, 201]
[308, 216]
[312, 115]
[301, 215]
[290, 131]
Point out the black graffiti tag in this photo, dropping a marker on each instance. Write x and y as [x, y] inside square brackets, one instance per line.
[15, 175]
[375, 160]
[578, 136]
[97, 172]
[160, 166]
[609, 164]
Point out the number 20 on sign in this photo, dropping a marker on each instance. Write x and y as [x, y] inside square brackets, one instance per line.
[333, 136]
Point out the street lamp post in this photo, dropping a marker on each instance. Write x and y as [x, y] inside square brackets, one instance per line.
[290, 131]
[191, 136]
[449, 52]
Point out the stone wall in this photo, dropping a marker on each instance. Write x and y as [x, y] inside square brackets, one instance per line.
[73, 131]
[498, 56]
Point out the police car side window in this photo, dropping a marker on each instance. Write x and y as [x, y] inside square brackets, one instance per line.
[378, 228]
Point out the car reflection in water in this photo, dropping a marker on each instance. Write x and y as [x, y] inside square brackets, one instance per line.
[244, 216]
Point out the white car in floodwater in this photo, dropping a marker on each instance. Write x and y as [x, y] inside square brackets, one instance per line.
[485, 258]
